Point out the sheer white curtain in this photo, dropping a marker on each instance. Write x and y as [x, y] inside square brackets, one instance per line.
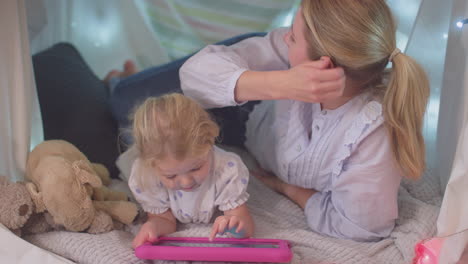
[105, 32]
[453, 218]
[428, 44]
[151, 32]
[453, 130]
[19, 108]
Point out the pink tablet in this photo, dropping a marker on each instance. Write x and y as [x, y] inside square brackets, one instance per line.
[221, 249]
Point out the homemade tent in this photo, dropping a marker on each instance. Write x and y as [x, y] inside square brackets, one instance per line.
[142, 30]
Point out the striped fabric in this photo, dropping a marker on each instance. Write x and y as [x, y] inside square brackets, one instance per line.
[185, 26]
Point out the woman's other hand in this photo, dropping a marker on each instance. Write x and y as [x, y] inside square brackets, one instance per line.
[269, 179]
[295, 193]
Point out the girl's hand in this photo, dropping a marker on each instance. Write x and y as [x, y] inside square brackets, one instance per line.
[236, 221]
[227, 222]
[148, 233]
[314, 81]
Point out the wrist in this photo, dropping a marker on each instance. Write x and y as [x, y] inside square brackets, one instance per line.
[284, 188]
[260, 85]
[276, 81]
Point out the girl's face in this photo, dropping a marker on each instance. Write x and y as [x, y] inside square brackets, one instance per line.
[186, 175]
[296, 42]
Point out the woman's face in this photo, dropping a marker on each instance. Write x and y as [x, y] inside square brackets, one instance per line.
[296, 42]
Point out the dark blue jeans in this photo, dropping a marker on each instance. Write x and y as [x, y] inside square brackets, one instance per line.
[163, 79]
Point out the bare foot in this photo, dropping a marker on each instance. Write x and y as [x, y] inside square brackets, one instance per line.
[112, 74]
[129, 68]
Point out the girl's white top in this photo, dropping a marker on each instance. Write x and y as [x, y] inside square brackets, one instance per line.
[345, 154]
[225, 188]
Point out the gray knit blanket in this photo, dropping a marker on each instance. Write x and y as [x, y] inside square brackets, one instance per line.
[278, 218]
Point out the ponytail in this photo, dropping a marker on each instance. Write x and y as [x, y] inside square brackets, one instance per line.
[404, 105]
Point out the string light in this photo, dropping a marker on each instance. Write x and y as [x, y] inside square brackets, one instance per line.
[462, 22]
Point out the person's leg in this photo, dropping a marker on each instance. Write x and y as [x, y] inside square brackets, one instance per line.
[135, 89]
[232, 121]
[160, 80]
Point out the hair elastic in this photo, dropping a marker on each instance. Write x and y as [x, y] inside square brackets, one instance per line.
[395, 52]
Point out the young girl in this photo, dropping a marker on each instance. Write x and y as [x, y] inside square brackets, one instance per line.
[335, 136]
[180, 174]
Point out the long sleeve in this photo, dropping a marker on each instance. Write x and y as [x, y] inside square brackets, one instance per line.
[362, 202]
[210, 76]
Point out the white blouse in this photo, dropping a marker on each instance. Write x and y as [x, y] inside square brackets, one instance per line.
[225, 188]
[345, 154]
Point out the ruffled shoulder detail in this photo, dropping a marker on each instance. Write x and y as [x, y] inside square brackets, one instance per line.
[367, 120]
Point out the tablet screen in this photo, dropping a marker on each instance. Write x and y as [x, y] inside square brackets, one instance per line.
[217, 244]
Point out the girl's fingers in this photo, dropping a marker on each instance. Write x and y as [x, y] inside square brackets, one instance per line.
[152, 238]
[145, 236]
[240, 227]
[233, 222]
[139, 240]
[222, 225]
[218, 227]
[214, 231]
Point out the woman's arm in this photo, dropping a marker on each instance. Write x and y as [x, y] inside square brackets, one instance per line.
[362, 202]
[310, 81]
[210, 76]
[256, 69]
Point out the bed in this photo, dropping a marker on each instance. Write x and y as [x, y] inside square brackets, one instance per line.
[275, 217]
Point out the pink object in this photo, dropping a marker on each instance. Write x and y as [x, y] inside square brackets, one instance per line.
[220, 249]
[427, 252]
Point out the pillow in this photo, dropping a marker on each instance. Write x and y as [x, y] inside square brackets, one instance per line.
[73, 103]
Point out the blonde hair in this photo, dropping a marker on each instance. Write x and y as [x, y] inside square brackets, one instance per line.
[359, 36]
[172, 125]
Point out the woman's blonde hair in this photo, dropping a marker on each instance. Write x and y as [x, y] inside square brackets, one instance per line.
[172, 125]
[360, 36]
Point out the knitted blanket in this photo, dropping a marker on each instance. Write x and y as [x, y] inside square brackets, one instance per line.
[279, 218]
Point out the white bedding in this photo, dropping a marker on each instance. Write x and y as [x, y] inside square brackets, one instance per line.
[277, 217]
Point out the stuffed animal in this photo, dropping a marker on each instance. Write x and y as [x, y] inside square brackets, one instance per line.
[64, 182]
[17, 210]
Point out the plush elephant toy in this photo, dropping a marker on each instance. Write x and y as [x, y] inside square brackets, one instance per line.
[66, 185]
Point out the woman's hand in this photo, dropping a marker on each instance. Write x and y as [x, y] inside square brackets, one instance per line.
[236, 221]
[311, 81]
[295, 193]
[269, 179]
[314, 81]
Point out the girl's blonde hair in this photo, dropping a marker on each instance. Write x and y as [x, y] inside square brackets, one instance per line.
[172, 125]
[359, 36]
